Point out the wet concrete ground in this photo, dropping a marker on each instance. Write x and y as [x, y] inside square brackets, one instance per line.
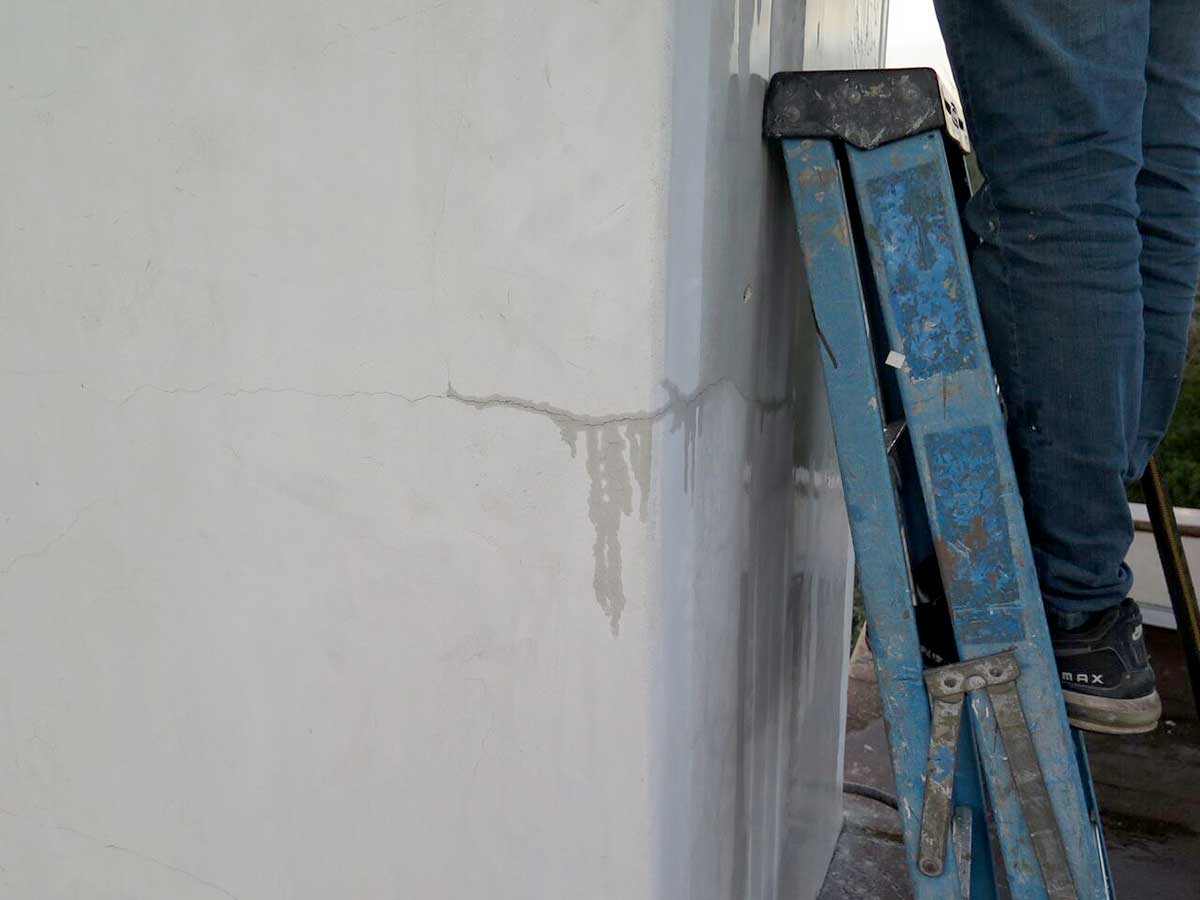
[1148, 786]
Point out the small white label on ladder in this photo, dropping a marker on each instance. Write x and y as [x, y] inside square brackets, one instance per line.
[895, 360]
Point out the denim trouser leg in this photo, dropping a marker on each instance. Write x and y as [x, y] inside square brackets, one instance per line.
[1055, 92]
[1167, 187]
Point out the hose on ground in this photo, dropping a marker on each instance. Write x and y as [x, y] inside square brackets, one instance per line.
[871, 793]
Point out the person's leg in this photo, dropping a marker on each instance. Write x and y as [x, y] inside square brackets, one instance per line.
[1053, 92]
[1169, 199]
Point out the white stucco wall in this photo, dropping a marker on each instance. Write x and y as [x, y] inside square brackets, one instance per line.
[416, 479]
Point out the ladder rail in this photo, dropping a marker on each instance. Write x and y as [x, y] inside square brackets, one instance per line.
[889, 281]
[851, 382]
[919, 260]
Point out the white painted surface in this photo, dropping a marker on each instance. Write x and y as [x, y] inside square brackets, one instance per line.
[753, 668]
[845, 34]
[399, 492]
[1149, 586]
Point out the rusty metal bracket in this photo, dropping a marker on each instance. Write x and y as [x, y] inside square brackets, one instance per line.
[960, 831]
[948, 687]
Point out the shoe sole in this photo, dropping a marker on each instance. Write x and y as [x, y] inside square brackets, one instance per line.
[1108, 716]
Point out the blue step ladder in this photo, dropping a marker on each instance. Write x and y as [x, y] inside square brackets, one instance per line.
[877, 177]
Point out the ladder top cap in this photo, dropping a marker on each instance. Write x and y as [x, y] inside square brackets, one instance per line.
[864, 107]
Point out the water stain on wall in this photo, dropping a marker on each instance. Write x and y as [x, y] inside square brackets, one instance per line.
[616, 455]
[618, 452]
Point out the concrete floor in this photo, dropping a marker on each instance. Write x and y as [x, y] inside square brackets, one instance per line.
[1148, 786]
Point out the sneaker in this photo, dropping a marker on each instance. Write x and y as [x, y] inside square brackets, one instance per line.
[1107, 681]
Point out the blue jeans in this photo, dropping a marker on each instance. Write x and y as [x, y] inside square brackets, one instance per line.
[1085, 115]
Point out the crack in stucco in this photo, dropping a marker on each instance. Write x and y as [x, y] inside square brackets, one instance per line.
[166, 865]
[554, 413]
[49, 545]
[676, 405]
[617, 455]
[352, 35]
[250, 392]
[67, 829]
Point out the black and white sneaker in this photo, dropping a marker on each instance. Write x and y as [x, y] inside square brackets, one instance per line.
[1106, 677]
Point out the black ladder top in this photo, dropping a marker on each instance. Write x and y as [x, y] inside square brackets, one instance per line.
[864, 108]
